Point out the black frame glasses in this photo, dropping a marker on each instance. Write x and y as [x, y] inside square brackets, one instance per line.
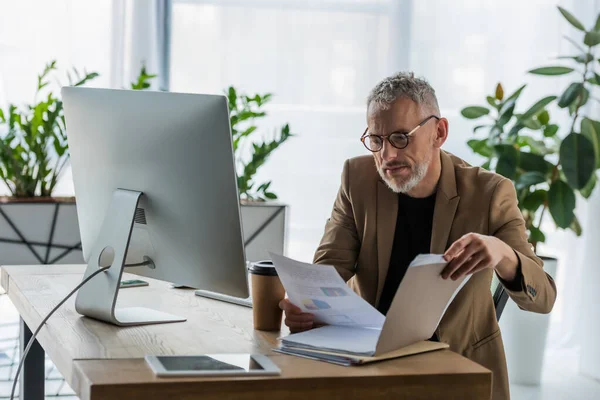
[398, 140]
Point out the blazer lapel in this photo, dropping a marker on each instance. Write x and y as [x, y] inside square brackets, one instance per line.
[446, 203]
[387, 213]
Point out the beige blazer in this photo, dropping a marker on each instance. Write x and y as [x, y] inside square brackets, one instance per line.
[359, 235]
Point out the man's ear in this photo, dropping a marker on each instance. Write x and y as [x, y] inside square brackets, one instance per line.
[442, 133]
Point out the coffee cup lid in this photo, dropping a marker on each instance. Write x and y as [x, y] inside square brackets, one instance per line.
[262, 268]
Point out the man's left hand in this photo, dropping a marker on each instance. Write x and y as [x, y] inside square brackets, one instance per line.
[474, 252]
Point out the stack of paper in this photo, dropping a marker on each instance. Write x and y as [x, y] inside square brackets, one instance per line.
[356, 332]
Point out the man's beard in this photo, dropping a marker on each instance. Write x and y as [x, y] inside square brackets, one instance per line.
[418, 172]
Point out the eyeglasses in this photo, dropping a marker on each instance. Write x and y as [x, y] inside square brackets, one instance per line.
[399, 140]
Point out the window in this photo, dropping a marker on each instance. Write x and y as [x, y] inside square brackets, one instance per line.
[318, 58]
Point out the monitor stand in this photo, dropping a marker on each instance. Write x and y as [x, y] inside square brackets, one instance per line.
[97, 298]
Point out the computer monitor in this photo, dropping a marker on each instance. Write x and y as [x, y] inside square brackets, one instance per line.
[156, 192]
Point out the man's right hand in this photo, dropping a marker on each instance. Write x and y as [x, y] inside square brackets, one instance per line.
[295, 319]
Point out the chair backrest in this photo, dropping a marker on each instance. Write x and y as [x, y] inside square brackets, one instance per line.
[500, 296]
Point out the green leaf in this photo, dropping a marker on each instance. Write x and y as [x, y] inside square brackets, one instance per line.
[580, 101]
[571, 18]
[534, 162]
[578, 159]
[499, 92]
[474, 112]
[143, 79]
[516, 94]
[492, 102]
[506, 113]
[480, 147]
[2, 118]
[595, 79]
[591, 130]
[597, 26]
[575, 226]
[587, 191]
[537, 107]
[561, 203]
[544, 117]
[536, 235]
[508, 160]
[581, 59]
[232, 98]
[486, 165]
[592, 38]
[270, 195]
[86, 78]
[529, 179]
[551, 70]
[534, 200]
[570, 94]
[550, 130]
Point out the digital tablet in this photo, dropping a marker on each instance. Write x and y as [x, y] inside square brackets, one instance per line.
[212, 365]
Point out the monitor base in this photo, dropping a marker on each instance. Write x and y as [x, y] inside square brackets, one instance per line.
[129, 316]
[97, 298]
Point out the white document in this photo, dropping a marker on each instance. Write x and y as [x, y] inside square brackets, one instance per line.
[356, 327]
[321, 291]
[427, 259]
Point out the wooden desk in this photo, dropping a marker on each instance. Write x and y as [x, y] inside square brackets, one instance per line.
[101, 361]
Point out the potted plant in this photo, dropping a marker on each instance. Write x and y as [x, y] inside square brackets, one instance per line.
[549, 165]
[35, 227]
[263, 219]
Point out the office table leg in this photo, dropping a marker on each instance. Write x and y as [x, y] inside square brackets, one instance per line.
[32, 374]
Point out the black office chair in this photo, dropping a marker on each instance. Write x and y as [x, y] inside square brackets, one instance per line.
[500, 297]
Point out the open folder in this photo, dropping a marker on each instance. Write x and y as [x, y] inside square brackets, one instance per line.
[356, 332]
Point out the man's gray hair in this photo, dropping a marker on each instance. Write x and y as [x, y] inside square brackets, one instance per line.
[404, 84]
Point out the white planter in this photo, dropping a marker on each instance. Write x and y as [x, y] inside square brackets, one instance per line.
[589, 326]
[28, 236]
[264, 226]
[39, 231]
[524, 334]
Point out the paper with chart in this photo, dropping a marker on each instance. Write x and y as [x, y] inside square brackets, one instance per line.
[356, 327]
[320, 290]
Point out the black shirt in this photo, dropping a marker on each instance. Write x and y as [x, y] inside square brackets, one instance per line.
[412, 237]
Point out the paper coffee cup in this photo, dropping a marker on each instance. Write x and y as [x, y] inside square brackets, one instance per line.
[267, 292]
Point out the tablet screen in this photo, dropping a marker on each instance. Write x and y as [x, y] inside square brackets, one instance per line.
[221, 362]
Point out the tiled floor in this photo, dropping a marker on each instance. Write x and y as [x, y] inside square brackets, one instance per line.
[560, 378]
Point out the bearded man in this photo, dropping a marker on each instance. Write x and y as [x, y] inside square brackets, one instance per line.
[411, 197]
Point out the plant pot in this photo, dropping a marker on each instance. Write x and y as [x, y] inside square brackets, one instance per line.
[524, 334]
[46, 231]
[39, 230]
[589, 323]
[264, 226]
